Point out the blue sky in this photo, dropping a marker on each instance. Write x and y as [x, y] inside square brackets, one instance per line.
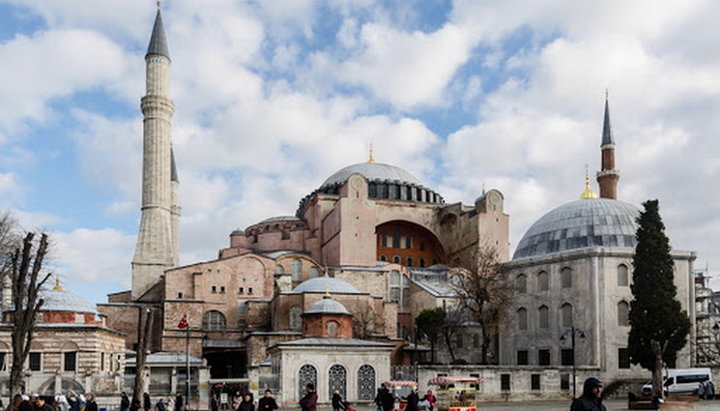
[274, 96]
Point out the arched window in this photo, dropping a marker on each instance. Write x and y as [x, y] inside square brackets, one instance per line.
[622, 276]
[422, 263]
[566, 278]
[332, 328]
[279, 270]
[543, 317]
[366, 382]
[306, 375]
[623, 313]
[409, 262]
[543, 281]
[382, 257]
[522, 319]
[521, 283]
[476, 341]
[296, 269]
[295, 318]
[213, 320]
[396, 259]
[566, 315]
[399, 290]
[313, 272]
[337, 380]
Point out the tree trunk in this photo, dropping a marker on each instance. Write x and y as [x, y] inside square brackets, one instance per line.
[448, 342]
[657, 378]
[144, 329]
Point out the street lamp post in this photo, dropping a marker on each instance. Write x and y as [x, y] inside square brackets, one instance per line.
[573, 332]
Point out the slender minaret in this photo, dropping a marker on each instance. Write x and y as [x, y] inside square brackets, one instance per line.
[608, 176]
[157, 244]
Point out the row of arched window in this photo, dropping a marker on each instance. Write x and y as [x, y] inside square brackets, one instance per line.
[408, 261]
[566, 316]
[542, 279]
[337, 380]
[296, 269]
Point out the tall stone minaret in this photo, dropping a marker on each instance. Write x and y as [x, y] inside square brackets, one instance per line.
[157, 244]
[608, 176]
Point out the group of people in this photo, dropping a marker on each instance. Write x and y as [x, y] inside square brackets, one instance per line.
[162, 404]
[385, 401]
[245, 402]
[71, 401]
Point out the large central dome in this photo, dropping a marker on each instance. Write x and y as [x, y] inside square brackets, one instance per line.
[597, 222]
[372, 172]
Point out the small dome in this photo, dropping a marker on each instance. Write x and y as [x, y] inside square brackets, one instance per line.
[594, 222]
[57, 299]
[238, 232]
[280, 219]
[327, 306]
[372, 172]
[325, 284]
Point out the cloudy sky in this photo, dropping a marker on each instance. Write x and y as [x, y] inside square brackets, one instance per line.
[273, 96]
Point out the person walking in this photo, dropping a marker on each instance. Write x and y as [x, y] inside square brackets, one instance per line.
[160, 405]
[179, 403]
[90, 404]
[412, 401]
[337, 401]
[430, 398]
[124, 401]
[147, 404]
[387, 400]
[591, 399]
[267, 402]
[309, 401]
[214, 403]
[247, 403]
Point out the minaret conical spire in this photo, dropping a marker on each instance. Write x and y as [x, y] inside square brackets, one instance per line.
[608, 176]
[607, 137]
[158, 43]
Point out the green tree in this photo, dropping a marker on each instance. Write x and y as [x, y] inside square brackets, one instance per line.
[659, 326]
[430, 322]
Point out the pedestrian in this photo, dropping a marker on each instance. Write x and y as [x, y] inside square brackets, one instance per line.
[179, 403]
[309, 401]
[591, 399]
[656, 402]
[412, 401]
[147, 404]
[90, 404]
[41, 405]
[430, 398]
[267, 402]
[26, 405]
[214, 406]
[62, 403]
[337, 401]
[710, 390]
[17, 399]
[701, 390]
[135, 404]
[247, 403]
[386, 398]
[124, 401]
[160, 405]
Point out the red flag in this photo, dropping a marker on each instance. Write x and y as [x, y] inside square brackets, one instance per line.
[183, 322]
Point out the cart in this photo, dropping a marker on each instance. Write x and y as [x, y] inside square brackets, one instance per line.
[456, 393]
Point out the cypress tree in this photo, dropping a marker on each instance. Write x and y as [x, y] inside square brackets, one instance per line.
[659, 325]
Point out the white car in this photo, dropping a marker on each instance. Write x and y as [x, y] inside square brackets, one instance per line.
[681, 381]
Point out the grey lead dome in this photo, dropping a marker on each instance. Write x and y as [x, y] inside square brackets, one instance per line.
[61, 300]
[372, 172]
[598, 222]
[327, 306]
[326, 284]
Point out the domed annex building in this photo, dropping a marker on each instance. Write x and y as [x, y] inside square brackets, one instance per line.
[328, 294]
[72, 347]
[573, 271]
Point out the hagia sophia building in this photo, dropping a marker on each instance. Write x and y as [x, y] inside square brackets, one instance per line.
[329, 295]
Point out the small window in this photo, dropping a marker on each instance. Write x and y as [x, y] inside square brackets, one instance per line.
[522, 319]
[564, 382]
[250, 290]
[241, 290]
[3, 361]
[222, 289]
[70, 361]
[521, 283]
[623, 314]
[332, 327]
[535, 382]
[543, 280]
[622, 276]
[566, 277]
[180, 295]
[408, 242]
[396, 259]
[567, 356]
[382, 257]
[313, 272]
[544, 357]
[504, 382]
[279, 270]
[213, 289]
[396, 238]
[422, 263]
[383, 240]
[35, 361]
[409, 262]
[623, 358]
[543, 318]
[102, 361]
[296, 269]
[522, 357]
[566, 314]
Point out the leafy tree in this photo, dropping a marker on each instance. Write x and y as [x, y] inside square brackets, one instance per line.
[659, 326]
[430, 322]
[486, 295]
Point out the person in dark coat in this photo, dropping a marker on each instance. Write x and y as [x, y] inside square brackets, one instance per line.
[591, 399]
[412, 401]
[179, 403]
[135, 405]
[124, 402]
[90, 404]
[214, 403]
[387, 401]
[147, 404]
[267, 402]
[337, 401]
[73, 400]
[247, 404]
[160, 405]
[309, 401]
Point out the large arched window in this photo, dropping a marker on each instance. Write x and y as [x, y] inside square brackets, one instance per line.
[306, 375]
[366, 383]
[543, 317]
[337, 380]
[522, 319]
[295, 318]
[399, 290]
[214, 320]
[296, 269]
[566, 278]
[543, 281]
[521, 283]
[313, 272]
[566, 315]
[279, 270]
[623, 313]
[622, 276]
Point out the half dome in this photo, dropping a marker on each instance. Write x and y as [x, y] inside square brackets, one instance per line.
[326, 284]
[597, 222]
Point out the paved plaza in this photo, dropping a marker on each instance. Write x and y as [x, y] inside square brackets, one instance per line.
[612, 405]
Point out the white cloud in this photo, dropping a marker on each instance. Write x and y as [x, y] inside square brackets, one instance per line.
[93, 256]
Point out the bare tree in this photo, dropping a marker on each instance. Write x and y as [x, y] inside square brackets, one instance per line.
[365, 322]
[10, 238]
[486, 295]
[452, 325]
[25, 267]
[143, 345]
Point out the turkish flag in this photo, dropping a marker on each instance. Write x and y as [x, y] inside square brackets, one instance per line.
[183, 322]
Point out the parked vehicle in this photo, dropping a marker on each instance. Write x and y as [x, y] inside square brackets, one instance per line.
[681, 381]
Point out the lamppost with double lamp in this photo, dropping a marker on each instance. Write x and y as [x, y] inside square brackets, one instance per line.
[572, 332]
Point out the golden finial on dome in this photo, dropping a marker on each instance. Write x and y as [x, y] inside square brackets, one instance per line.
[57, 287]
[372, 158]
[158, 3]
[588, 193]
[327, 290]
